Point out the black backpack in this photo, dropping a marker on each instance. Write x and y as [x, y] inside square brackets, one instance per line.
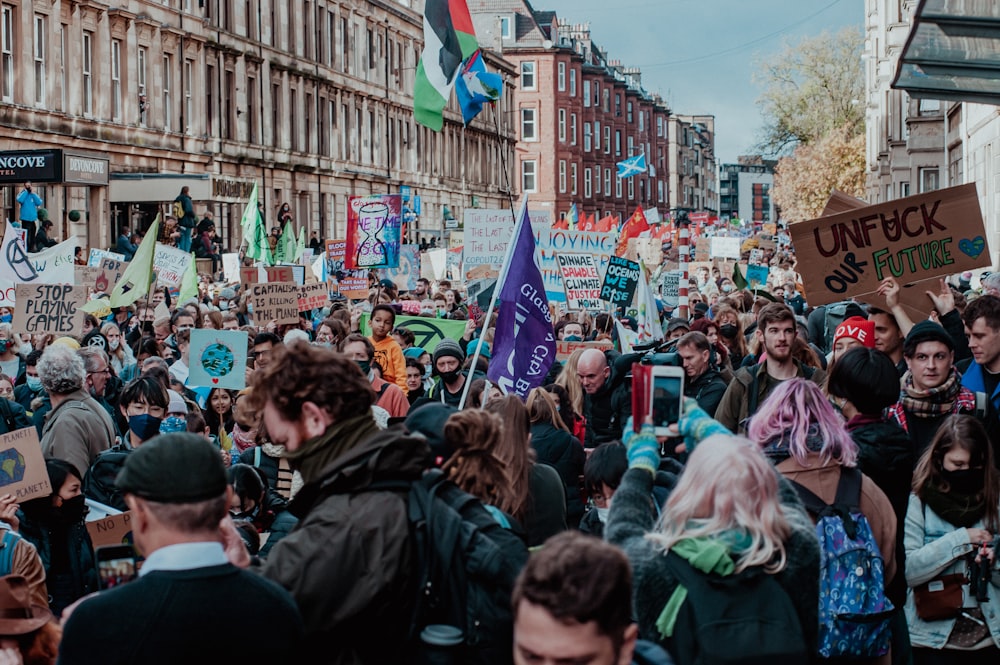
[467, 564]
[745, 618]
[99, 481]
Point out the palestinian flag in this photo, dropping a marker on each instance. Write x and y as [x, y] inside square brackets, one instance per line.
[449, 38]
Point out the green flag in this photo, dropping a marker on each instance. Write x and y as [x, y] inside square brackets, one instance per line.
[138, 275]
[250, 214]
[189, 282]
[738, 279]
[258, 248]
[287, 245]
[300, 249]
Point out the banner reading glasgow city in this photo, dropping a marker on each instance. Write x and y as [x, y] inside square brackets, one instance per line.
[928, 235]
[374, 231]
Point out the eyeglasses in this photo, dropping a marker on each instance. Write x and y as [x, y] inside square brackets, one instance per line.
[106, 370]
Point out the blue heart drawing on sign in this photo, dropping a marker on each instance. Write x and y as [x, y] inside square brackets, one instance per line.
[972, 248]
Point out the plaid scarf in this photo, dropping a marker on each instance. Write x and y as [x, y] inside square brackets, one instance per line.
[930, 403]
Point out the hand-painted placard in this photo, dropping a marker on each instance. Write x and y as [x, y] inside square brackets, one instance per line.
[620, 280]
[275, 301]
[50, 308]
[313, 296]
[374, 231]
[564, 349]
[249, 275]
[352, 284]
[22, 466]
[427, 332]
[170, 264]
[94, 259]
[725, 248]
[915, 238]
[756, 276]
[218, 359]
[581, 281]
[111, 530]
[702, 249]
[406, 274]
[231, 266]
[670, 284]
[85, 276]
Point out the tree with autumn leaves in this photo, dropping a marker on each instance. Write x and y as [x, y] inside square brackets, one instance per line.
[813, 105]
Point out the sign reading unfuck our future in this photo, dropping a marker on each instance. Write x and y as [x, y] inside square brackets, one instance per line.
[928, 235]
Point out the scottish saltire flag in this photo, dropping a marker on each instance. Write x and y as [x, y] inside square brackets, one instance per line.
[632, 166]
[449, 38]
[524, 345]
[475, 86]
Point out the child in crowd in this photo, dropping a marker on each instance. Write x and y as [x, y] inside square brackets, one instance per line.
[388, 353]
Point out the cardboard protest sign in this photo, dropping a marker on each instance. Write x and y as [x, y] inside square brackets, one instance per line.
[111, 271]
[756, 257]
[249, 275]
[50, 308]
[564, 349]
[22, 465]
[94, 259]
[725, 248]
[85, 276]
[111, 530]
[374, 231]
[218, 358]
[756, 276]
[911, 239]
[231, 266]
[312, 296]
[670, 284]
[427, 332]
[620, 280]
[581, 281]
[766, 242]
[279, 274]
[841, 202]
[275, 301]
[702, 249]
[170, 264]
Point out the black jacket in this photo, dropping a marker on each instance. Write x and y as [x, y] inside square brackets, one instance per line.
[67, 554]
[607, 410]
[707, 390]
[563, 452]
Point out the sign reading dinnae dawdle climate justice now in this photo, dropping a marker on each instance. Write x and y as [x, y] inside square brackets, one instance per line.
[929, 235]
[581, 281]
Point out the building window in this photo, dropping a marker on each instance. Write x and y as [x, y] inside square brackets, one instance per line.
[642, 115]
[588, 187]
[528, 132]
[572, 129]
[607, 181]
[631, 189]
[928, 107]
[618, 188]
[168, 70]
[7, 51]
[607, 140]
[904, 189]
[618, 142]
[528, 75]
[252, 110]
[572, 83]
[561, 77]
[586, 137]
[562, 125]
[586, 94]
[116, 79]
[189, 97]
[659, 191]
[929, 180]
[63, 82]
[88, 81]
[39, 59]
[141, 77]
[505, 27]
[659, 126]
[607, 101]
[528, 183]
[572, 178]
[628, 116]
[597, 180]
[562, 176]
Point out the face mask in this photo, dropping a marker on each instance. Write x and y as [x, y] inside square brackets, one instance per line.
[602, 514]
[365, 365]
[34, 383]
[72, 510]
[427, 372]
[726, 288]
[728, 331]
[250, 308]
[173, 424]
[27, 348]
[573, 338]
[449, 377]
[965, 481]
[6, 318]
[114, 343]
[224, 305]
[4, 345]
[144, 426]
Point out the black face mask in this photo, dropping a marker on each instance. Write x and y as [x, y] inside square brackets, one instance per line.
[449, 377]
[965, 481]
[728, 331]
[71, 511]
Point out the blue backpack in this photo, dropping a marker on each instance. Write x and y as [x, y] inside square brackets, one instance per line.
[853, 610]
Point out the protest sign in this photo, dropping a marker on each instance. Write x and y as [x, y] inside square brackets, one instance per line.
[649, 250]
[111, 530]
[911, 239]
[564, 349]
[703, 249]
[50, 309]
[351, 284]
[670, 284]
[766, 242]
[406, 274]
[279, 274]
[312, 296]
[581, 281]
[275, 301]
[427, 332]
[756, 257]
[94, 259]
[374, 231]
[170, 264]
[620, 280]
[218, 358]
[769, 229]
[250, 275]
[8, 293]
[756, 276]
[22, 466]
[487, 233]
[652, 215]
[231, 266]
[86, 276]
[840, 202]
[49, 266]
[725, 248]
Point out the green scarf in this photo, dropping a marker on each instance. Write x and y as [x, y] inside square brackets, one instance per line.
[316, 454]
[959, 510]
[709, 555]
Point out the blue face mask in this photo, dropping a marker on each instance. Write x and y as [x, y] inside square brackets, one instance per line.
[173, 424]
[6, 318]
[572, 338]
[34, 383]
[144, 426]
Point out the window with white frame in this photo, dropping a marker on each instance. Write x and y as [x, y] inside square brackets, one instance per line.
[597, 180]
[586, 94]
[39, 52]
[189, 97]
[586, 137]
[168, 74]
[528, 75]
[505, 27]
[628, 114]
[659, 191]
[562, 125]
[572, 178]
[116, 79]
[528, 176]
[607, 181]
[618, 187]
[562, 176]
[572, 129]
[7, 51]
[572, 83]
[588, 187]
[607, 139]
[929, 179]
[87, 63]
[618, 142]
[659, 125]
[561, 76]
[528, 129]
[631, 189]
[141, 77]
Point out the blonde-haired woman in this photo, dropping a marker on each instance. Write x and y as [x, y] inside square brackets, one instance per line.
[730, 515]
[570, 380]
[119, 354]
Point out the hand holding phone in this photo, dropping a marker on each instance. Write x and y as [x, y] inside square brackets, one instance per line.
[116, 565]
[666, 396]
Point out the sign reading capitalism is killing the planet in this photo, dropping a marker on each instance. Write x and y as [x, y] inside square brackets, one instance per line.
[929, 235]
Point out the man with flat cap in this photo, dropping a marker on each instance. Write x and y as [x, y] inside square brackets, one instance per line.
[177, 610]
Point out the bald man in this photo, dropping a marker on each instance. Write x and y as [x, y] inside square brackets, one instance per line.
[607, 398]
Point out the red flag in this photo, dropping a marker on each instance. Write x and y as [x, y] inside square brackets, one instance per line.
[561, 225]
[635, 225]
[605, 224]
[588, 223]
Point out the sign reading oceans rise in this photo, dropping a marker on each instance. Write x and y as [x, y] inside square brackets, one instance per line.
[620, 281]
[929, 235]
[581, 281]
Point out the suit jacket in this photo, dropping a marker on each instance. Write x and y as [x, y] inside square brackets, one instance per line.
[186, 616]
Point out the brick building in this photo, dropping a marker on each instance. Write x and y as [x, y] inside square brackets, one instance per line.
[310, 99]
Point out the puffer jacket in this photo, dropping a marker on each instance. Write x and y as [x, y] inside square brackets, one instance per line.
[563, 452]
[348, 562]
[935, 547]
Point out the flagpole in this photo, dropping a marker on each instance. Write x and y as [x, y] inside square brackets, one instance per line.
[504, 270]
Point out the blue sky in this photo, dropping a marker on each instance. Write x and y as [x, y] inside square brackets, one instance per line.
[701, 54]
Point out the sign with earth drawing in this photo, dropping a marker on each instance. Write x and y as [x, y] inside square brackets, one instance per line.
[218, 359]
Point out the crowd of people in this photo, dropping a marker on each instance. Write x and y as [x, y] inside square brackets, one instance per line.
[830, 491]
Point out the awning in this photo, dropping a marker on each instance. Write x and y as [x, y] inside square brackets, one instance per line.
[953, 52]
[158, 187]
